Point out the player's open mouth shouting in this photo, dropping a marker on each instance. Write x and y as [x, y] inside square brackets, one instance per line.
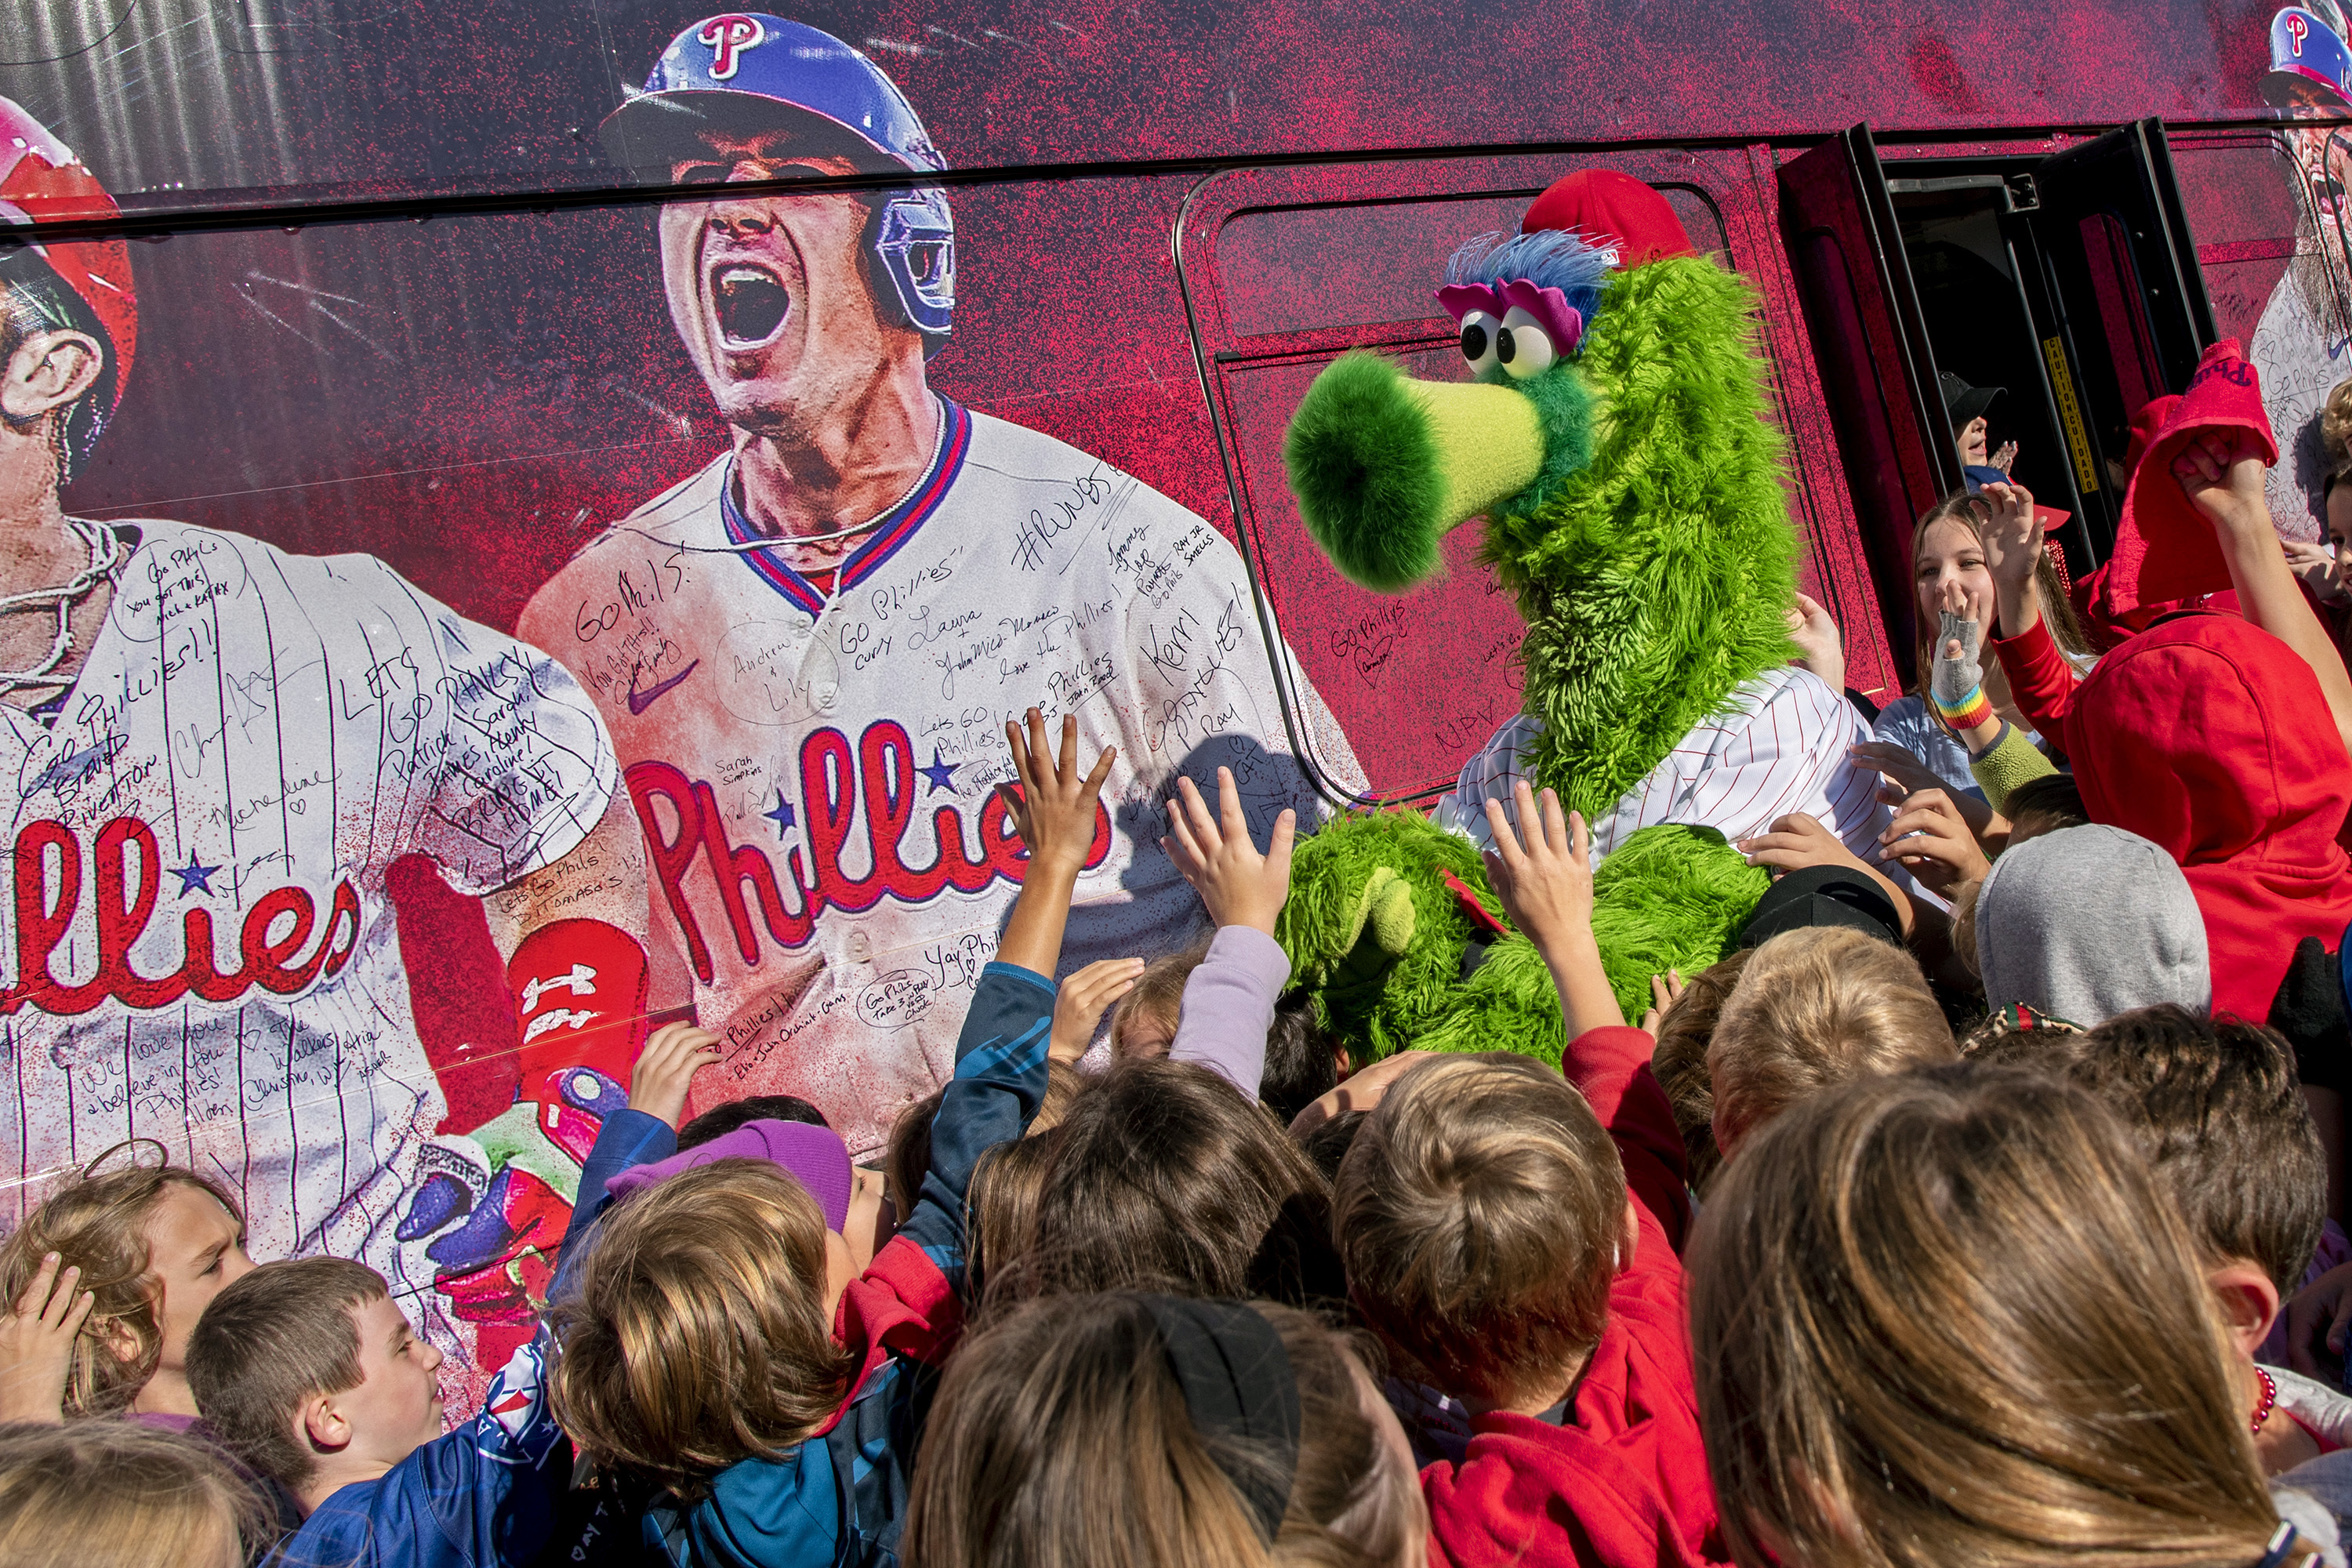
[748, 302]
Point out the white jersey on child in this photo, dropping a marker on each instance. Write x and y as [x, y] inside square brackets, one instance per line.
[1777, 747]
[200, 950]
[814, 764]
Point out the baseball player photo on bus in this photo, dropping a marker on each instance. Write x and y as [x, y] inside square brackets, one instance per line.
[807, 652]
[219, 750]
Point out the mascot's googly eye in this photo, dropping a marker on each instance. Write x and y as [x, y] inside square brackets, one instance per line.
[1478, 338]
[1524, 348]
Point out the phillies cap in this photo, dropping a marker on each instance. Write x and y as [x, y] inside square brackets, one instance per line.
[1616, 212]
[815, 1156]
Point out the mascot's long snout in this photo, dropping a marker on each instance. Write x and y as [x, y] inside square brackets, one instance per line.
[1384, 466]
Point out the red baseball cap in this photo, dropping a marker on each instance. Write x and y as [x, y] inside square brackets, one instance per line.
[1616, 212]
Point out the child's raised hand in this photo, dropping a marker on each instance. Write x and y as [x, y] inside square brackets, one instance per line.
[2011, 532]
[1054, 807]
[2222, 471]
[1545, 882]
[673, 1055]
[1083, 1000]
[36, 1343]
[1240, 886]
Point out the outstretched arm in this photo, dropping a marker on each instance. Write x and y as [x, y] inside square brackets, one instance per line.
[1229, 1000]
[1546, 886]
[2224, 475]
[1054, 812]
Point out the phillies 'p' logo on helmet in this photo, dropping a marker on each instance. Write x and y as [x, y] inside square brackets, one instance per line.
[729, 36]
[84, 284]
[2310, 59]
[753, 71]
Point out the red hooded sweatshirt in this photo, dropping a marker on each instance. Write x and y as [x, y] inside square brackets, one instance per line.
[1623, 1482]
[2210, 737]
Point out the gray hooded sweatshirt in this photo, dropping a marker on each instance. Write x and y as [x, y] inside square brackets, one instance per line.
[2087, 923]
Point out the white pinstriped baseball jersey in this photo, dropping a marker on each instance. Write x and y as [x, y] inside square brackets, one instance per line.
[202, 951]
[1779, 746]
[814, 766]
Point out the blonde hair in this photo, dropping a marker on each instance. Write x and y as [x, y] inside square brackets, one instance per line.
[1061, 1439]
[696, 1335]
[1480, 1213]
[98, 1223]
[1948, 1318]
[2336, 427]
[1816, 1007]
[115, 1494]
[1157, 996]
[1680, 1062]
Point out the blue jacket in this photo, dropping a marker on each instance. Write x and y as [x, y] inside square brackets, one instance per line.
[839, 1496]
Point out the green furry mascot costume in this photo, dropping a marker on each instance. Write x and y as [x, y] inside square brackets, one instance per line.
[1614, 437]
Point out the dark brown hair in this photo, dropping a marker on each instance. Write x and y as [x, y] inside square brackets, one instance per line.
[907, 1153]
[1302, 1062]
[98, 1224]
[1061, 1441]
[2218, 1112]
[721, 1119]
[696, 1334]
[1480, 1215]
[1162, 1176]
[1946, 1317]
[271, 1339]
[1680, 1062]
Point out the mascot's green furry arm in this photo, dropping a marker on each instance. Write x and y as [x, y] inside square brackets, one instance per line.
[1615, 438]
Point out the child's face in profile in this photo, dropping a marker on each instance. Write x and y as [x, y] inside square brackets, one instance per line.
[195, 1248]
[397, 1408]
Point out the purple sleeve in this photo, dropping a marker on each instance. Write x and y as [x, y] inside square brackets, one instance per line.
[1229, 1005]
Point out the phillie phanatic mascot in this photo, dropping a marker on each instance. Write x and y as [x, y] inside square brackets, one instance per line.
[1614, 437]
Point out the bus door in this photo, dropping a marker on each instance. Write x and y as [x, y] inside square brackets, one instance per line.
[2066, 281]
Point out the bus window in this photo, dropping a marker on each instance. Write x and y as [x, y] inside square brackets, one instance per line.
[1285, 269]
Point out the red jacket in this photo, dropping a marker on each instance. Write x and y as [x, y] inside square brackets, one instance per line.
[2211, 737]
[1624, 1485]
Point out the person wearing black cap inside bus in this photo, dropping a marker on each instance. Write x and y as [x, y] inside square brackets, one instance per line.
[1972, 434]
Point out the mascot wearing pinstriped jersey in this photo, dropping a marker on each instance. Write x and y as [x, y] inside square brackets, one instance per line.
[807, 652]
[1614, 438]
[218, 750]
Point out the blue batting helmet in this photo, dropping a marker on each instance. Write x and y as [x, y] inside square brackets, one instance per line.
[2308, 52]
[749, 71]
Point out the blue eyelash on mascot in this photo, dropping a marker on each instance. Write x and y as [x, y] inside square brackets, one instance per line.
[1614, 438]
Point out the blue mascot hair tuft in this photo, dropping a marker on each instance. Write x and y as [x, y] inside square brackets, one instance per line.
[1548, 259]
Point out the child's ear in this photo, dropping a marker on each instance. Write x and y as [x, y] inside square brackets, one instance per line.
[2249, 1302]
[323, 1425]
[1630, 1242]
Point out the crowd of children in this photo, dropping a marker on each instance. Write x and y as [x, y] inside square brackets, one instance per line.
[1981, 1208]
